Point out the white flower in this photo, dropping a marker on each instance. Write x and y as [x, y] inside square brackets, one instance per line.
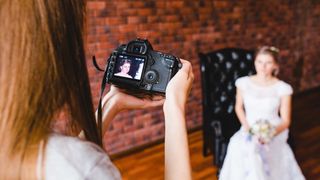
[262, 130]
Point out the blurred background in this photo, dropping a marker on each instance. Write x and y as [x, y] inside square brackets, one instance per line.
[186, 28]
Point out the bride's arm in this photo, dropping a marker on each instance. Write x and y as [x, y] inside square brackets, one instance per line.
[240, 110]
[285, 114]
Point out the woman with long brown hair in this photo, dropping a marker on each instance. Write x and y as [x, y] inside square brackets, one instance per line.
[43, 74]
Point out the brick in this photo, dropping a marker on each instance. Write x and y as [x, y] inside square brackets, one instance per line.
[145, 12]
[97, 5]
[126, 28]
[185, 28]
[114, 21]
[136, 20]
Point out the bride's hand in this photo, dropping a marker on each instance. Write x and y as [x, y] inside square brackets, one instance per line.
[262, 141]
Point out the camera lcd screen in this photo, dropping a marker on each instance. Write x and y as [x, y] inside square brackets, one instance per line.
[129, 67]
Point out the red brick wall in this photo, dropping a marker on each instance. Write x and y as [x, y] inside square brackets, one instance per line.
[185, 28]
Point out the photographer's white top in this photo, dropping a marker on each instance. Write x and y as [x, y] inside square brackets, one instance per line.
[72, 158]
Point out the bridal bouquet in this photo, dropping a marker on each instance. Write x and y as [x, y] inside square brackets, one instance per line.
[262, 130]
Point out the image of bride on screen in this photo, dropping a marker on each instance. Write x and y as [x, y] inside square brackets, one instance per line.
[124, 68]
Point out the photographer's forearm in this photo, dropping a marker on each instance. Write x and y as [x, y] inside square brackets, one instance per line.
[109, 111]
[177, 161]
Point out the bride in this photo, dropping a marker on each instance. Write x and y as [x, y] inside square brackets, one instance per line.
[262, 97]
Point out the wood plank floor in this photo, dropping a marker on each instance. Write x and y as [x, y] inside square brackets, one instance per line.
[149, 163]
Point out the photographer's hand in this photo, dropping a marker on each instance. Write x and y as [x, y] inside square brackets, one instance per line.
[116, 100]
[177, 161]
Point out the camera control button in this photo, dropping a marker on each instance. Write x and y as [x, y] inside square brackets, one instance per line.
[151, 76]
[148, 86]
[169, 62]
[169, 56]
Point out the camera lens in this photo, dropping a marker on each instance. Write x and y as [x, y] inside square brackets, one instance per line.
[151, 76]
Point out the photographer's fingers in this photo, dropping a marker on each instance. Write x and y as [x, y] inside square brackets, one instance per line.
[132, 102]
[179, 86]
[154, 103]
[187, 68]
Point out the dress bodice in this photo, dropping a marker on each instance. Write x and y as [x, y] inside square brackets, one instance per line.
[262, 102]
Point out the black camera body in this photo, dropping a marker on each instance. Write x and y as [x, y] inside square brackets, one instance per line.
[136, 67]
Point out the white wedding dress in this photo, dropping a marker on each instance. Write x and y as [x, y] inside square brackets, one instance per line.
[248, 160]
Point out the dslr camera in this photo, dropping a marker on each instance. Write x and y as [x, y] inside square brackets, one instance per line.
[139, 69]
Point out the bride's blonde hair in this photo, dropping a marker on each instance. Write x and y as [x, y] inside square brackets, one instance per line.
[273, 52]
[42, 70]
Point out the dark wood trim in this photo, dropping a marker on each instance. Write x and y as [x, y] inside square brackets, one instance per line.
[147, 145]
[307, 91]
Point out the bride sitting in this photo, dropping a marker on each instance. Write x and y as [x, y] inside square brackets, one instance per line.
[259, 101]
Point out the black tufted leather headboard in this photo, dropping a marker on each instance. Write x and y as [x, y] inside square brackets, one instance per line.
[219, 70]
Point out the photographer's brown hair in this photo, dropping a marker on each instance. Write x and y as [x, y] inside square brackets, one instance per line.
[42, 70]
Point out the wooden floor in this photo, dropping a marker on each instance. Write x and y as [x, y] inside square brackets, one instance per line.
[306, 133]
[149, 163]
